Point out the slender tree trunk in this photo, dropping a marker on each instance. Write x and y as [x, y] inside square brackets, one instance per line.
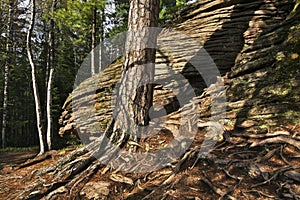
[34, 83]
[48, 109]
[136, 89]
[101, 33]
[100, 54]
[6, 74]
[93, 41]
[50, 65]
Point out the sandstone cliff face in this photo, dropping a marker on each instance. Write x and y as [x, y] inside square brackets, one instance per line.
[250, 43]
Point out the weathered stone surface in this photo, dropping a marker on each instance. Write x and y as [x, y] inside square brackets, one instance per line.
[95, 190]
[245, 39]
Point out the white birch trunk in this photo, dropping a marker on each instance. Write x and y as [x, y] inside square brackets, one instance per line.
[34, 84]
[49, 82]
[49, 102]
[100, 55]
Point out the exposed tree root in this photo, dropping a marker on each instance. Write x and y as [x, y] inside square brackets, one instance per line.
[278, 139]
[37, 159]
[69, 175]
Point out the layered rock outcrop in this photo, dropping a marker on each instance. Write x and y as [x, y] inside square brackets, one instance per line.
[246, 41]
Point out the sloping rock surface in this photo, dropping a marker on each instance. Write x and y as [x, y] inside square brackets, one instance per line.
[242, 37]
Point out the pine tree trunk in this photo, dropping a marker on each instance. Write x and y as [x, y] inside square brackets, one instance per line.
[6, 74]
[34, 83]
[135, 94]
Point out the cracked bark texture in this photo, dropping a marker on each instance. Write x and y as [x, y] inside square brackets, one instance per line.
[135, 93]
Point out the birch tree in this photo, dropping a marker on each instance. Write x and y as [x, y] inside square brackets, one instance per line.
[33, 77]
[49, 78]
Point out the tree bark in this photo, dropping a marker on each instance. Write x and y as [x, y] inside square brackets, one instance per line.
[34, 83]
[135, 93]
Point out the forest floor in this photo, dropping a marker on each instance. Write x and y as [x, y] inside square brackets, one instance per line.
[14, 169]
[233, 170]
[15, 158]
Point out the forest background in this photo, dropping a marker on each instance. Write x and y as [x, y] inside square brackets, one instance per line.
[63, 34]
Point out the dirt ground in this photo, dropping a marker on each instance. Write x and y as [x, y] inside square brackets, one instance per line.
[15, 158]
[12, 178]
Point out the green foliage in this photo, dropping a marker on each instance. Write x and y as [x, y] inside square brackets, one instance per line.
[77, 17]
[118, 20]
[168, 9]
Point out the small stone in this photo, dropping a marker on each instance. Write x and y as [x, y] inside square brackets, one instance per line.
[95, 190]
[294, 56]
[121, 179]
[247, 124]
